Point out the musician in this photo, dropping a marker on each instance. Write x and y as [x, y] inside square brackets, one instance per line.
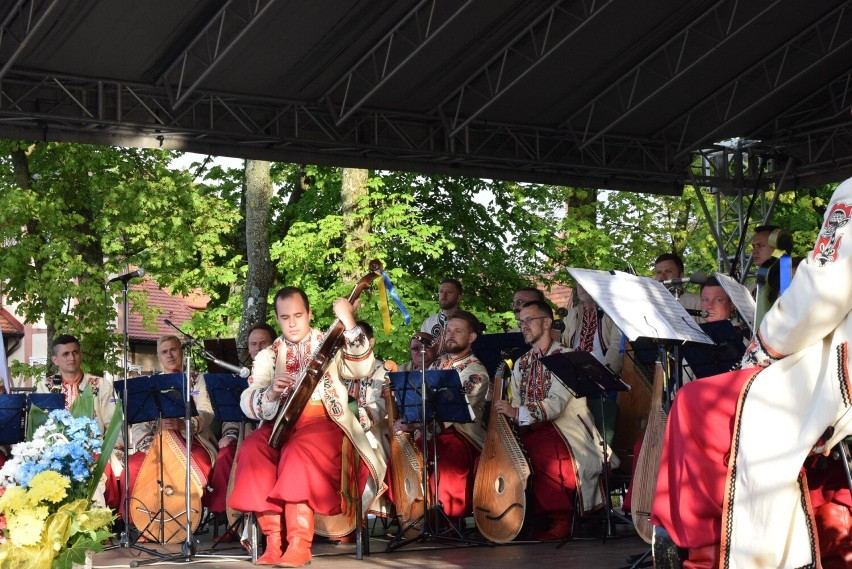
[203, 451]
[588, 329]
[761, 251]
[459, 444]
[670, 266]
[422, 343]
[449, 299]
[558, 431]
[260, 336]
[366, 393]
[735, 443]
[521, 297]
[319, 478]
[72, 381]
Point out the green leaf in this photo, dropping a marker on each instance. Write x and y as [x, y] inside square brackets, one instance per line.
[110, 438]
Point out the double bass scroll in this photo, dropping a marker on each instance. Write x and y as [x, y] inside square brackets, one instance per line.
[292, 407]
[500, 487]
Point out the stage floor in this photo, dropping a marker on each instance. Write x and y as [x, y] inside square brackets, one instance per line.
[586, 552]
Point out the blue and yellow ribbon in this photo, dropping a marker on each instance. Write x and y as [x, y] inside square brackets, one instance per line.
[385, 287]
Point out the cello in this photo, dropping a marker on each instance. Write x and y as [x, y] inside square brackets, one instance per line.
[290, 410]
[502, 479]
[406, 467]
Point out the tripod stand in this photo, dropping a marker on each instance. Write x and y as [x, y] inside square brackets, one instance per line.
[422, 405]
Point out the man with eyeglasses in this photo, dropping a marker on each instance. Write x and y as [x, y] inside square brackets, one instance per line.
[449, 299]
[556, 429]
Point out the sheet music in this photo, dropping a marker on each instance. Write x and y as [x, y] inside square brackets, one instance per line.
[741, 297]
[640, 306]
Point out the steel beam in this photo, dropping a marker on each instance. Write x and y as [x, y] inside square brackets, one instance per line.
[211, 45]
[694, 44]
[830, 36]
[20, 24]
[556, 25]
[390, 54]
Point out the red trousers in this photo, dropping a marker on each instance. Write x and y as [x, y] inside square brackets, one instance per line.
[554, 484]
[216, 497]
[307, 468]
[457, 461]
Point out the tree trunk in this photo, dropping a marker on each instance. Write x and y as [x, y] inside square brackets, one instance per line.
[357, 227]
[258, 196]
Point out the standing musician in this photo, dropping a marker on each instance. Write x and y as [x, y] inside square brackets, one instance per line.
[170, 354]
[558, 431]
[730, 488]
[449, 299]
[71, 382]
[670, 266]
[327, 458]
[260, 336]
[588, 329]
[459, 444]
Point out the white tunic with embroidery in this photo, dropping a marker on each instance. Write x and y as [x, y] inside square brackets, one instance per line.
[788, 406]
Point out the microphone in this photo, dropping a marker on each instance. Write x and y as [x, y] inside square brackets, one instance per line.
[698, 277]
[558, 325]
[241, 371]
[56, 384]
[562, 312]
[693, 312]
[140, 272]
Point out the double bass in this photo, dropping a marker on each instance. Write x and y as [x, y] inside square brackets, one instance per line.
[501, 483]
[406, 466]
[290, 410]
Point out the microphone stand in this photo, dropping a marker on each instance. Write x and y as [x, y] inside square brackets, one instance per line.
[124, 539]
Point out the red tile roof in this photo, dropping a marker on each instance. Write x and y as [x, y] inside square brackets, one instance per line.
[560, 295]
[175, 308]
[9, 325]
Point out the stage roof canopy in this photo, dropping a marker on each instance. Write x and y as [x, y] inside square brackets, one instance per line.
[618, 94]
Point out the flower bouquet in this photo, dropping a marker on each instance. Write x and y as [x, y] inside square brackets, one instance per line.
[47, 515]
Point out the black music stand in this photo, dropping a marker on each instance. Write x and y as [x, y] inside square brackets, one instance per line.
[705, 360]
[12, 408]
[150, 398]
[224, 390]
[582, 374]
[445, 401]
[491, 349]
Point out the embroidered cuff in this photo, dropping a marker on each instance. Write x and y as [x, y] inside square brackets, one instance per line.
[264, 408]
[524, 416]
[757, 355]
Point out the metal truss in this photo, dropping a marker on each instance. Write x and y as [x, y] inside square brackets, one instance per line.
[521, 55]
[691, 46]
[413, 32]
[231, 23]
[53, 107]
[715, 116]
[21, 23]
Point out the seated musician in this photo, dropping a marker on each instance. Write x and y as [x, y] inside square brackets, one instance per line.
[557, 429]
[71, 381]
[421, 344]
[203, 451]
[730, 487]
[669, 266]
[260, 336]
[588, 329]
[459, 444]
[326, 456]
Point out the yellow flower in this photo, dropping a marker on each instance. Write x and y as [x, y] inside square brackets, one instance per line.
[49, 486]
[14, 499]
[25, 528]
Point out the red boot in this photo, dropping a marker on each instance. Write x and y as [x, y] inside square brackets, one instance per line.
[833, 523]
[560, 528]
[300, 534]
[270, 525]
[706, 557]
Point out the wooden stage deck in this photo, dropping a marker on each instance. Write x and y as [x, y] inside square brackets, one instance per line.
[585, 552]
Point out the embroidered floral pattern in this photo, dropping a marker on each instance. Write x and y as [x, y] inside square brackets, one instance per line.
[827, 247]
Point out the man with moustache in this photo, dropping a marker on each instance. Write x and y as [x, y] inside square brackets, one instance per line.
[557, 430]
[421, 344]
